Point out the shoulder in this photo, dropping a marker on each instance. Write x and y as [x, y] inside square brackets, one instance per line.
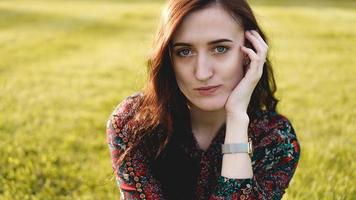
[272, 121]
[126, 107]
[273, 130]
[124, 111]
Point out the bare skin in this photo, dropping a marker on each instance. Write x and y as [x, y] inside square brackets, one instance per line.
[198, 62]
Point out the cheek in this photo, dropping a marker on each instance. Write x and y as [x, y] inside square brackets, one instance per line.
[235, 78]
[234, 71]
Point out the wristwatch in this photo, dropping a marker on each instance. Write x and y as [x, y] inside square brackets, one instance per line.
[238, 148]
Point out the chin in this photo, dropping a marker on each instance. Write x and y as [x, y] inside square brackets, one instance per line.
[209, 104]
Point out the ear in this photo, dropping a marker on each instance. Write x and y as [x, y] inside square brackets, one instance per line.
[245, 64]
[246, 60]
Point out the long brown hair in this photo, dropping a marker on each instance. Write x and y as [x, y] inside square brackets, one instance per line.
[162, 104]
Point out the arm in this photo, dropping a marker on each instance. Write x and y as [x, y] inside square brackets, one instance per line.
[132, 174]
[236, 132]
[277, 155]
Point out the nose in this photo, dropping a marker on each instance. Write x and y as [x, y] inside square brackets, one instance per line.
[203, 69]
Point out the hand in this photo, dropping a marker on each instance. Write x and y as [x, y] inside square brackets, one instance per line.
[240, 96]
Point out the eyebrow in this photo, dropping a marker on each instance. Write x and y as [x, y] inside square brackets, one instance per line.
[209, 43]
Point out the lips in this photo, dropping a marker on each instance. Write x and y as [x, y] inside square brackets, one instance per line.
[207, 90]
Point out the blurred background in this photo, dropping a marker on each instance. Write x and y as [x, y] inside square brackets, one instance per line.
[65, 65]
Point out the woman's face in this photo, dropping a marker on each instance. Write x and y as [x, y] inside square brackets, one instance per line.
[206, 52]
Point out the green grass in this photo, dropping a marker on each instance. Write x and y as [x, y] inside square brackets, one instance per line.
[64, 65]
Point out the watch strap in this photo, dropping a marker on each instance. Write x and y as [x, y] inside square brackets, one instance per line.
[237, 148]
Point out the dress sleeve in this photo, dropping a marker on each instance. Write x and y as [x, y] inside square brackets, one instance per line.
[132, 174]
[277, 155]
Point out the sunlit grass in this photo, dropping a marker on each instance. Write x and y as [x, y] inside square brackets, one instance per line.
[64, 65]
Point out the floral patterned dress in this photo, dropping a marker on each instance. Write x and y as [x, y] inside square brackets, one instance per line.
[189, 172]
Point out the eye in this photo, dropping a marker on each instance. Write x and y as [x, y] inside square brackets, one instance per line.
[183, 52]
[220, 49]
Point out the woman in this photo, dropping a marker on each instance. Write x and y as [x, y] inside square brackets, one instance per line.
[208, 102]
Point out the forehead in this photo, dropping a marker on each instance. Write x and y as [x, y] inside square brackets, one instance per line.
[208, 24]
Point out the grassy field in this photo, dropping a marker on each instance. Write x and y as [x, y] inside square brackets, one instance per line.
[64, 65]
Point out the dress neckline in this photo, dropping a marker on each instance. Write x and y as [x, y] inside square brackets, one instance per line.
[220, 133]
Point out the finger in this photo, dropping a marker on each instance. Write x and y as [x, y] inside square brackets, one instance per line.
[254, 58]
[258, 36]
[266, 47]
[263, 52]
[255, 42]
[250, 53]
[256, 66]
[251, 68]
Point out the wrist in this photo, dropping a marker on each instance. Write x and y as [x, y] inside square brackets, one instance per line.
[240, 116]
[237, 128]
[236, 138]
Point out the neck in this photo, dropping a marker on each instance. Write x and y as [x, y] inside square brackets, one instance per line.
[206, 122]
